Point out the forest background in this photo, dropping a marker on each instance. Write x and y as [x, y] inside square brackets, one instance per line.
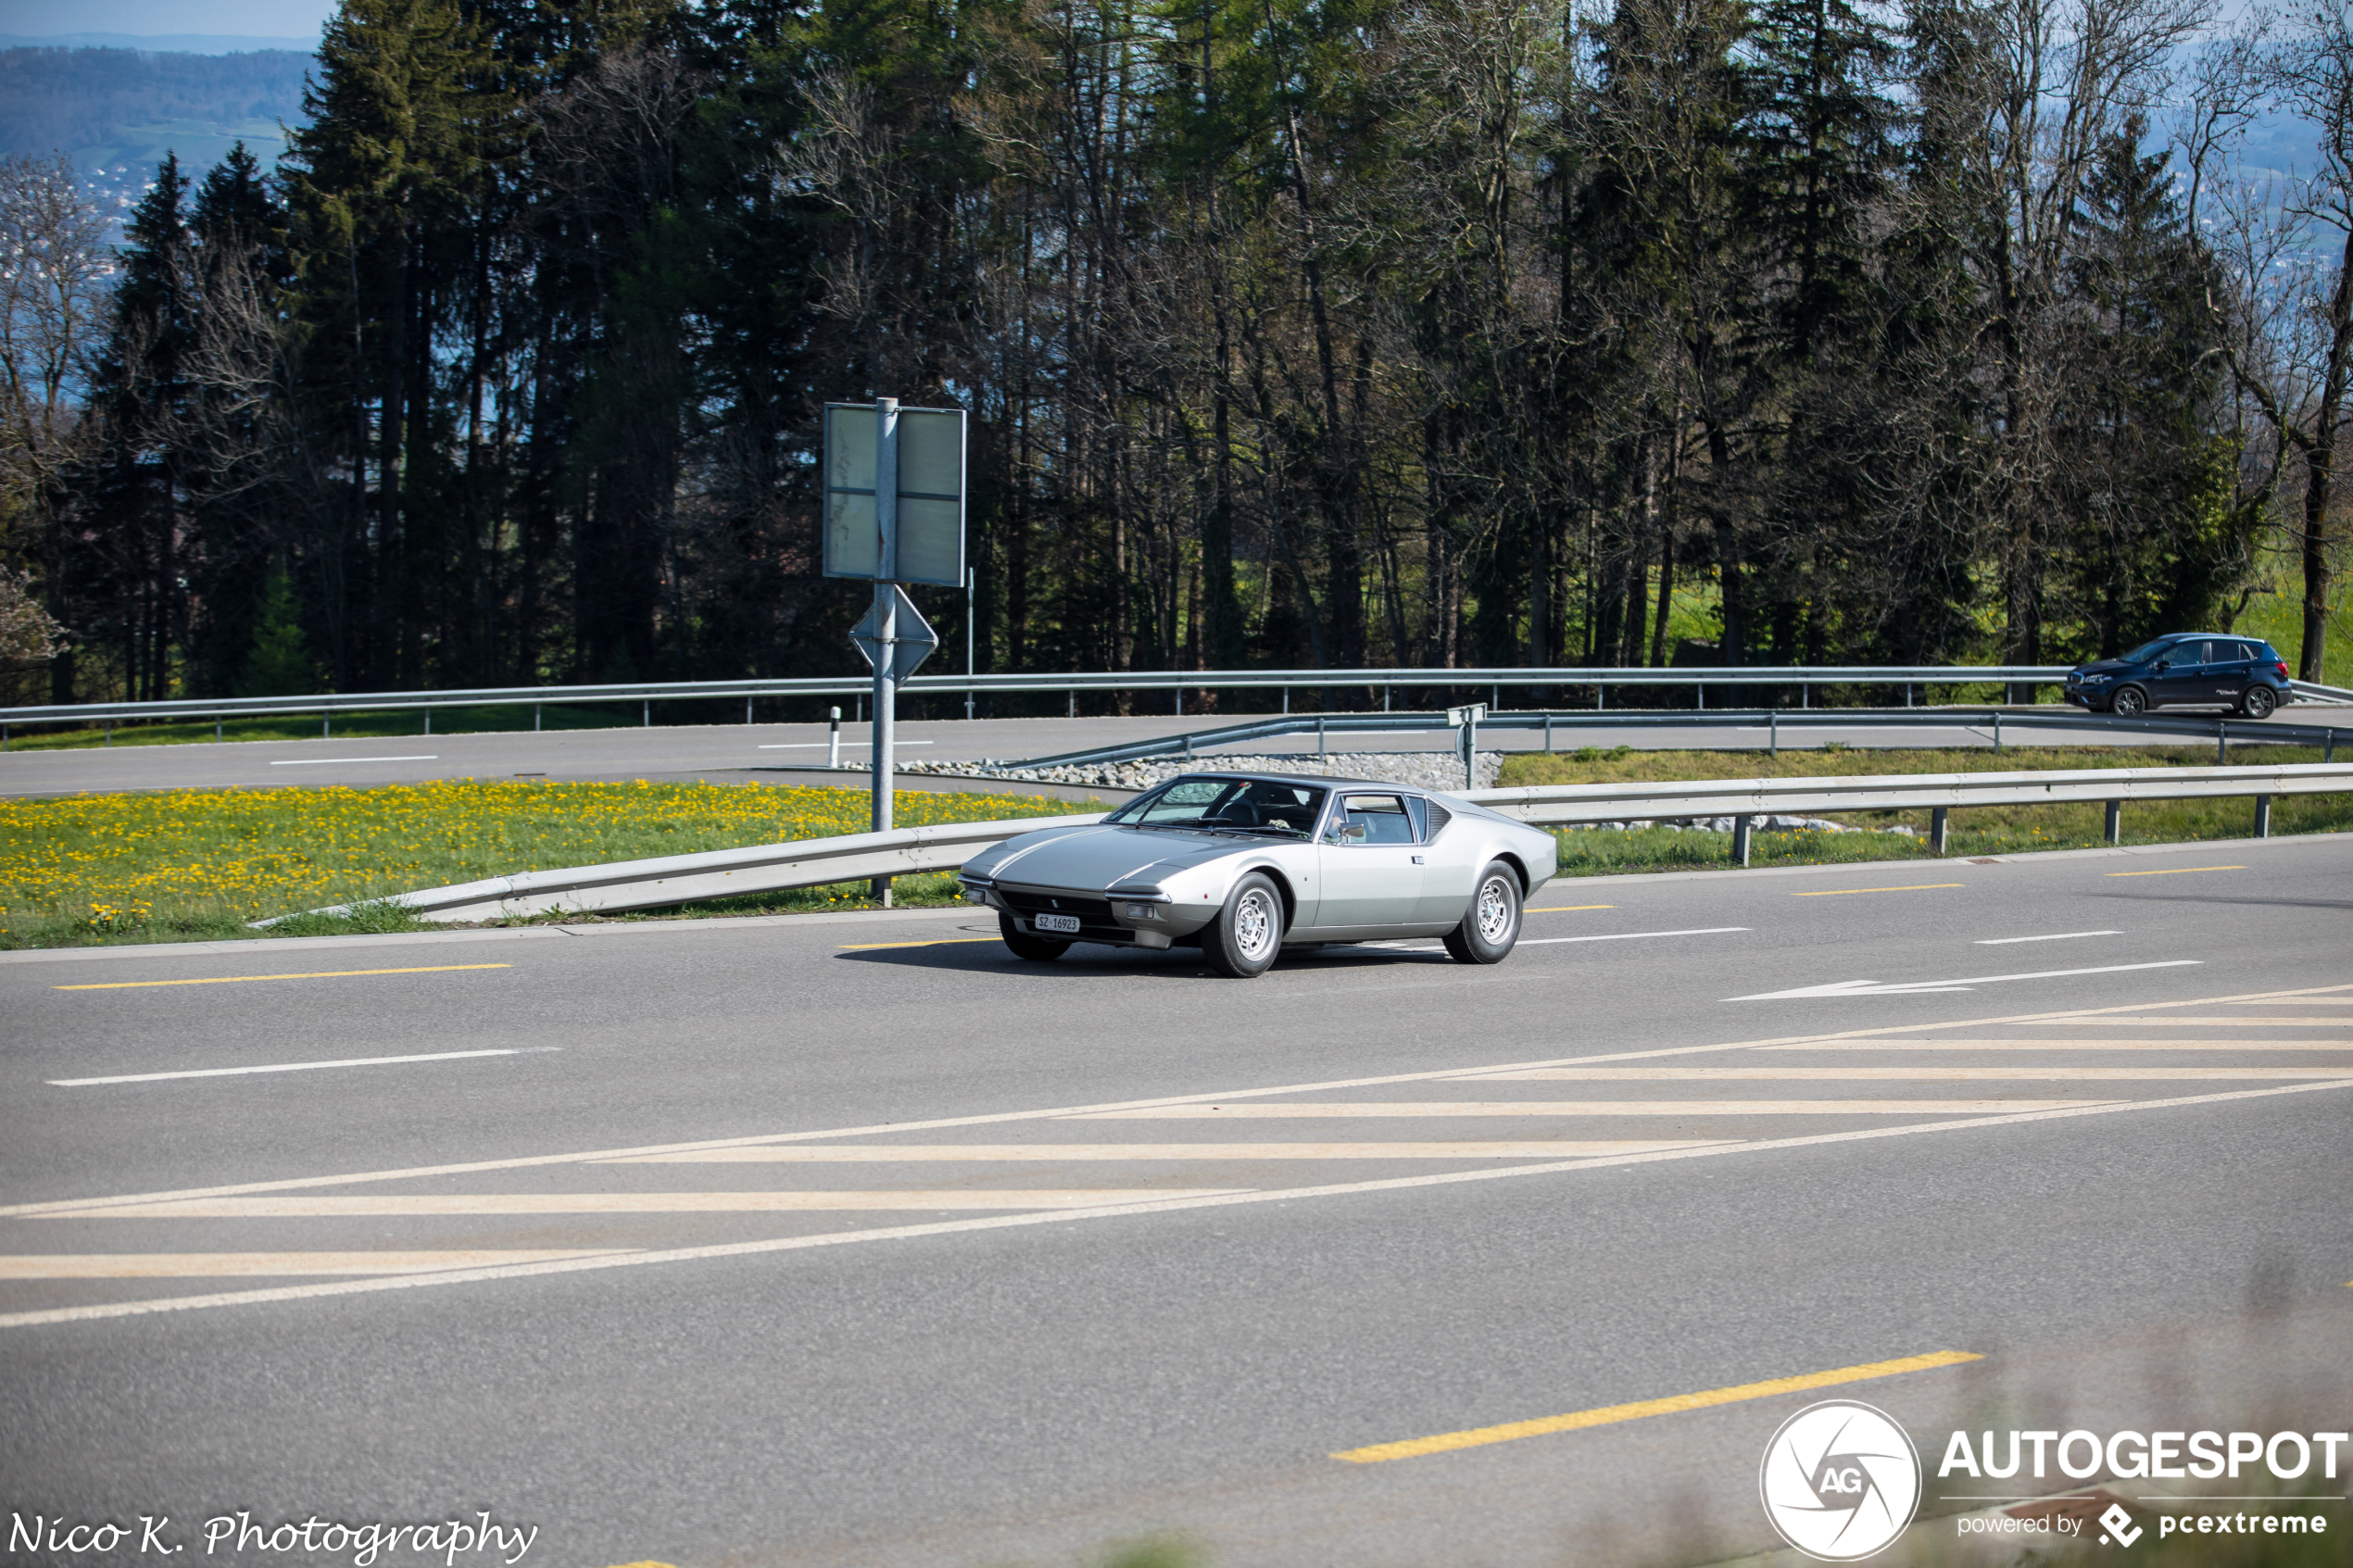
[1296, 332]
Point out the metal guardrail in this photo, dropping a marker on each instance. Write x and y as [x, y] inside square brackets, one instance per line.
[678, 879]
[1179, 681]
[716, 873]
[1553, 720]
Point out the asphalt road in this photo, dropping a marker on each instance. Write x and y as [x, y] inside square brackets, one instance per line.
[784, 753]
[852, 1240]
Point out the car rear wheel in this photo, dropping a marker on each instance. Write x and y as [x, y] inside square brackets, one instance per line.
[2259, 702]
[2129, 702]
[1490, 926]
[1242, 941]
[1037, 949]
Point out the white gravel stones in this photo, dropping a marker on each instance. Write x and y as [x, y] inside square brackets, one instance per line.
[1426, 770]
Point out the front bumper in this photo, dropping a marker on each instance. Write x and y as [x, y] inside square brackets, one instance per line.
[1103, 915]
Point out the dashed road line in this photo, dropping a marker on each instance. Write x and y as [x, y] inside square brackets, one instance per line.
[250, 979]
[292, 1067]
[1609, 1415]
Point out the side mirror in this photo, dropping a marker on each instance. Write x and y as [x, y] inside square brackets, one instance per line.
[1352, 832]
[2163, 665]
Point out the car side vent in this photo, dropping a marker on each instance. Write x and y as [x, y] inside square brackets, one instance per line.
[1439, 818]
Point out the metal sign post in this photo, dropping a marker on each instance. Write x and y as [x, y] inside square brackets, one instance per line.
[894, 513]
[1465, 722]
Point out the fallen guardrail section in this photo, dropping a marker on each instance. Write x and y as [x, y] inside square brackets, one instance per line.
[623, 885]
[1741, 799]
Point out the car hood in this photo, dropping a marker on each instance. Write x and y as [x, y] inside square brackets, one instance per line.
[2102, 667]
[1099, 856]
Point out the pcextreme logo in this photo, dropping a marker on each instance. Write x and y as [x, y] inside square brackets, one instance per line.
[1839, 1480]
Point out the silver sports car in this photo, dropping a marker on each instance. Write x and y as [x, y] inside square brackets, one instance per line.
[1244, 864]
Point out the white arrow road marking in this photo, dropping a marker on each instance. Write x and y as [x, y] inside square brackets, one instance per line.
[1920, 987]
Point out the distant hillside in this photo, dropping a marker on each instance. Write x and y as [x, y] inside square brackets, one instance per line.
[118, 110]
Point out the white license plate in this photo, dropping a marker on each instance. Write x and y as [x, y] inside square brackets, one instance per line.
[1058, 923]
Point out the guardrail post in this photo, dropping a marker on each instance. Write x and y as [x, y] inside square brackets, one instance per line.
[747, 710]
[1286, 702]
[2328, 752]
[4, 738]
[326, 721]
[1773, 732]
[1739, 841]
[2115, 832]
[1074, 703]
[2221, 740]
[1997, 732]
[650, 713]
[1805, 694]
[1701, 694]
[216, 730]
[1548, 734]
[429, 721]
[2262, 816]
[534, 717]
[1937, 820]
[109, 732]
[1601, 697]
[1319, 737]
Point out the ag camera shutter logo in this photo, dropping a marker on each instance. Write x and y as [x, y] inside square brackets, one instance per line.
[1839, 1480]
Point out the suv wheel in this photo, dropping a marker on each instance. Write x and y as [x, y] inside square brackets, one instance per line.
[2259, 702]
[2129, 702]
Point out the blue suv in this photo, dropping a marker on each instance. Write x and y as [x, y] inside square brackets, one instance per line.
[2191, 670]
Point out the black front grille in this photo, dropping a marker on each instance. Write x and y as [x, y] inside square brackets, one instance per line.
[1095, 923]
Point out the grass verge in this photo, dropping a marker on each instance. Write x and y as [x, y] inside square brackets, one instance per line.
[197, 865]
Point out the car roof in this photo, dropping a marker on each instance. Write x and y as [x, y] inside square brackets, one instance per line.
[1318, 781]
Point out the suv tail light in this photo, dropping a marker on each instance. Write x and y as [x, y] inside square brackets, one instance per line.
[2281, 665]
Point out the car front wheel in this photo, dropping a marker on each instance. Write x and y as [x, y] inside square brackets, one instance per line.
[2259, 702]
[2129, 702]
[1242, 941]
[1037, 949]
[1490, 926]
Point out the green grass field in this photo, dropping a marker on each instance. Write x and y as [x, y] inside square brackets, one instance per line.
[198, 864]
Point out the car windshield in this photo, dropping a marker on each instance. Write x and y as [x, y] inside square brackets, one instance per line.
[1229, 804]
[2148, 650]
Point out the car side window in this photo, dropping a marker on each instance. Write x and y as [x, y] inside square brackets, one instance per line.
[1381, 817]
[2243, 654]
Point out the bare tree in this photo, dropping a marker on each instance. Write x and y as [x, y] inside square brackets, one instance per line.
[54, 283]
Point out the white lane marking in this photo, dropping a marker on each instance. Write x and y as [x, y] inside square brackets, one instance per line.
[1898, 1074]
[1338, 1108]
[2226, 1022]
[884, 1153]
[1123, 1211]
[445, 1203]
[2054, 937]
[813, 744]
[344, 762]
[1920, 987]
[2308, 996]
[295, 1066]
[1423, 944]
[217, 1265]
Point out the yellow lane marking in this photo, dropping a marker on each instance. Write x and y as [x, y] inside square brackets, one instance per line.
[390, 1204]
[210, 1265]
[936, 942]
[1910, 887]
[1903, 1074]
[243, 979]
[1593, 1108]
[2179, 871]
[1566, 909]
[1609, 1415]
[2226, 1022]
[2306, 995]
[2070, 1046]
[878, 1154]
